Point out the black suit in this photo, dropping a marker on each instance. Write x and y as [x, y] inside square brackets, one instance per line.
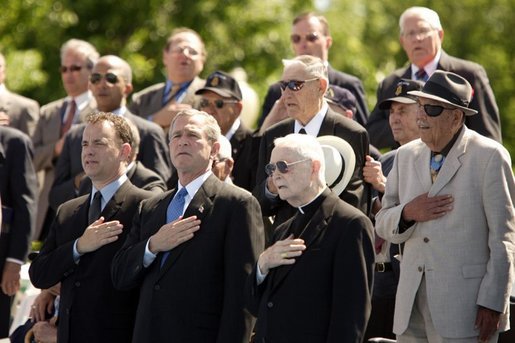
[197, 296]
[244, 160]
[325, 295]
[357, 192]
[336, 78]
[18, 191]
[153, 153]
[90, 309]
[487, 122]
[139, 175]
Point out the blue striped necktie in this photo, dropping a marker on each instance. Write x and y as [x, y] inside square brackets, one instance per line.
[173, 212]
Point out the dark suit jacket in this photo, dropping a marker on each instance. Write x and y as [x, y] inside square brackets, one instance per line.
[139, 175]
[23, 112]
[325, 295]
[487, 122]
[336, 78]
[90, 309]
[197, 296]
[242, 155]
[153, 154]
[357, 192]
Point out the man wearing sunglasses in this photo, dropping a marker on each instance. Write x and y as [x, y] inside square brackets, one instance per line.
[183, 57]
[449, 199]
[222, 98]
[314, 283]
[304, 83]
[421, 36]
[58, 117]
[310, 36]
[110, 83]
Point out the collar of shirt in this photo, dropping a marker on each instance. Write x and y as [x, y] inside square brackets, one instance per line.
[193, 187]
[3, 89]
[429, 68]
[313, 127]
[120, 111]
[180, 93]
[81, 101]
[307, 207]
[233, 129]
[108, 190]
[130, 166]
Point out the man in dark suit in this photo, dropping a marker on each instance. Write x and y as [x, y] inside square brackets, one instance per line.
[191, 249]
[183, 57]
[222, 89]
[86, 234]
[305, 83]
[311, 36]
[421, 37]
[18, 190]
[57, 117]
[314, 283]
[110, 83]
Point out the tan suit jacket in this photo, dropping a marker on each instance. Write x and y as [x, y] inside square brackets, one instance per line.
[23, 112]
[466, 255]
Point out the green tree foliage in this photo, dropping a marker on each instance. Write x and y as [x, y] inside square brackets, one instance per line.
[253, 34]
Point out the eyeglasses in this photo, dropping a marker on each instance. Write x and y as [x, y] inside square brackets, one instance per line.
[282, 166]
[310, 37]
[186, 50]
[434, 110]
[420, 33]
[295, 85]
[71, 69]
[109, 77]
[219, 103]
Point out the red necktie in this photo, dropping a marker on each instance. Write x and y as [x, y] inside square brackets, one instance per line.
[65, 127]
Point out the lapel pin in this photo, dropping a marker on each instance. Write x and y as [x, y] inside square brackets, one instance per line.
[201, 209]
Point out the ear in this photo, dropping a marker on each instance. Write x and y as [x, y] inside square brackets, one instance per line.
[228, 166]
[440, 34]
[238, 107]
[315, 168]
[215, 148]
[328, 42]
[323, 86]
[128, 89]
[125, 151]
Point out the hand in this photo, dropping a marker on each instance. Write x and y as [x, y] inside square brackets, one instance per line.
[98, 234]
[373, 174]
[424, 208]
[4, 118]
[11, 278]
[270, 185]
[276, 114]
[487, 321]
[43, 305]
[281, 253]
[45, 332]
[173, 234]
[78, 179]
[164, 116]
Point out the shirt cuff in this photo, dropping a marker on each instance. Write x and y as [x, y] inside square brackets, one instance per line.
[14, 260]
[149, 256]
[76, 255]
[259, 276]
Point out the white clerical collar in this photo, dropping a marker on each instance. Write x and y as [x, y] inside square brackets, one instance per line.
[309, 202]
[313, 127]
[428, 68]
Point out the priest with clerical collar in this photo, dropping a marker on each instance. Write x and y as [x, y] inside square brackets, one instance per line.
[313, 284]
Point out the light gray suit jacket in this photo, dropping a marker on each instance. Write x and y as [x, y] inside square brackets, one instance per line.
[467, 255]
[23, 112]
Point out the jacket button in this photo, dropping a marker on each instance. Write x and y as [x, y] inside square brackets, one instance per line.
[270, 304]
[77, 284]
[157, 287]
[426, 239]
[420, 269]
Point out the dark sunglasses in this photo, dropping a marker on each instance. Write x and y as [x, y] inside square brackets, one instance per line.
[282, 166]
[310, 37]
[434, 110]
[72, 68]
[294, 85]
[110, 78]
[219, 103]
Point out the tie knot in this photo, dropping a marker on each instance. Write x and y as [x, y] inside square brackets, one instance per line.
[302, 131]
[182, 193]
[97, 196]
[421, 75]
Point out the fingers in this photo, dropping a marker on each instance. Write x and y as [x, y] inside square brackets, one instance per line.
[99, 234]
[173, 234]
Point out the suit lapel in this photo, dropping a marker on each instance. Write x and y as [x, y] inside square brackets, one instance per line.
[116, 202]
[422, 166]
[327, 127]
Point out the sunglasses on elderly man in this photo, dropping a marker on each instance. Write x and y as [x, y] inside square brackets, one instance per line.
[109, 77]
[219, 103]
[282, 166]
[310, 37]
[294, 85]
[72, 68]
[435, 110]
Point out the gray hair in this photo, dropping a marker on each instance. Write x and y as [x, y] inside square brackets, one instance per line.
[314, 66]
[83, 48]
[210, 127]
[424, 13]
[306, 147]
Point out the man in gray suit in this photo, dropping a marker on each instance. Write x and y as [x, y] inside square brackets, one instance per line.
[183, 56]
[15, 110]
[449, 198]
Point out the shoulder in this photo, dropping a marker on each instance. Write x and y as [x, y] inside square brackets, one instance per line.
[342, 212]
[72, 204]
[149, 91]
[487, 146]
[344, 123]
[279, 129]
[21, 100]
[52, 107]
[143, 124]
[460, 66]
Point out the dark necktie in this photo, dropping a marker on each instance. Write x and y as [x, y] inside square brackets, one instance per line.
[67, 124]
[302, 131]
[170, 95]
[421, 75]
[173, 212]
[95, 208]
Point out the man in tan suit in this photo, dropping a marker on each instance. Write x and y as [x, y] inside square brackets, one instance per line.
[449, 198]
[15, 110]
[183, 56]
[57, 117]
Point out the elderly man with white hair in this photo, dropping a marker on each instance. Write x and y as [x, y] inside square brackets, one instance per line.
[313, 284]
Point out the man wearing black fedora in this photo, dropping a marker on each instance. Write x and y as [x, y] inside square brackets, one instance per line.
[449, 199]
[313, 284]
